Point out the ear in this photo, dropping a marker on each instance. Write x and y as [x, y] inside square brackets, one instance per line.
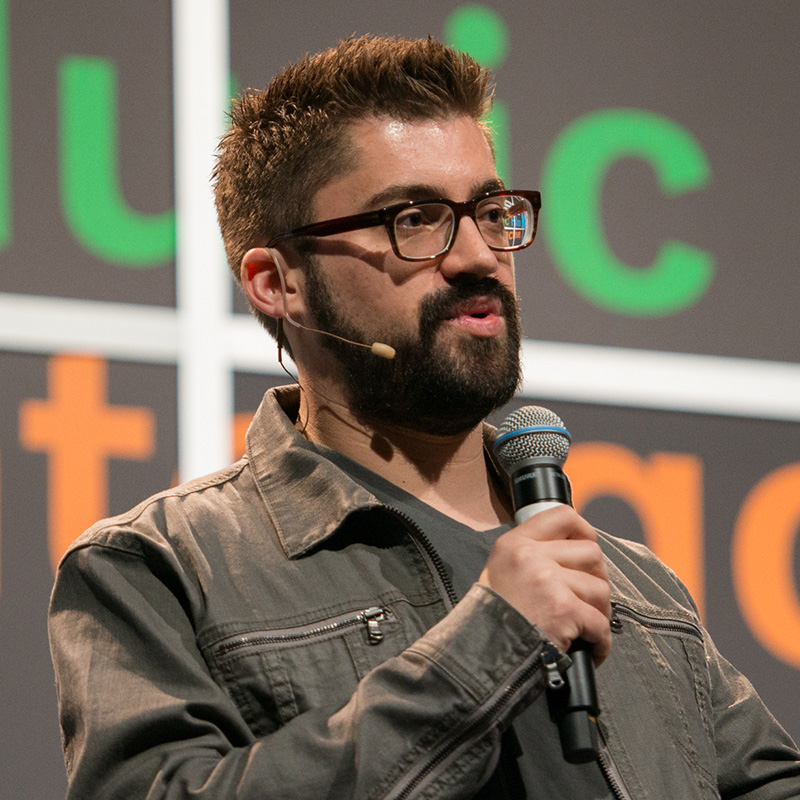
[269, 284]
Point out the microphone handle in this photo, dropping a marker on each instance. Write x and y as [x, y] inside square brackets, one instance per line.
[574, 707]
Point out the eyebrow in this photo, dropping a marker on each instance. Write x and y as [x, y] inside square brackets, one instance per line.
[421, 191]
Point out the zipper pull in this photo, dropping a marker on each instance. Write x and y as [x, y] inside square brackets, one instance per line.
[615, 623]
[549, 657]
[371, 616]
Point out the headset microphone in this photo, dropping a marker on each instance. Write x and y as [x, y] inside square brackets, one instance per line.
[382, 350]
[379, 349]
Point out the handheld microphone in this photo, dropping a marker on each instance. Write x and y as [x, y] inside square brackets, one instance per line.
[532, 446]
[379, 349]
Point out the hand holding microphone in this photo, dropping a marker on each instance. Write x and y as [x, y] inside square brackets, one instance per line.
[551, 569]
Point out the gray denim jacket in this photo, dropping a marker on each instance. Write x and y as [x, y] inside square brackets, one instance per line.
[273, 631]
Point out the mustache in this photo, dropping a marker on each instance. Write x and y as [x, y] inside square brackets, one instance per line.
[440, 305]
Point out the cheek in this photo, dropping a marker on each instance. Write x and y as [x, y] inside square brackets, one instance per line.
[387, 290]
[384, 306]
[362, 297]
[506, 273]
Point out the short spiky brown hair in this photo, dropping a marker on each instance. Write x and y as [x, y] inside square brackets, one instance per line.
[290, 139]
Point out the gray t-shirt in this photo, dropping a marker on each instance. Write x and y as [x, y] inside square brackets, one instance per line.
[463, 552]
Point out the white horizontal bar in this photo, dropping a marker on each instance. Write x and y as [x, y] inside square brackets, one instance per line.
[123, 331]
[128, 332]
[251, 348]
[554, 370]
[664, 380]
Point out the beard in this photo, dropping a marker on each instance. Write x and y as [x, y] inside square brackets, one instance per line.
[427, 386]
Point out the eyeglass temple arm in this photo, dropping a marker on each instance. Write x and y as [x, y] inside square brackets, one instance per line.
[333, 226]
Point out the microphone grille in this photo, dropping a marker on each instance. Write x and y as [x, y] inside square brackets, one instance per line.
[531, 432]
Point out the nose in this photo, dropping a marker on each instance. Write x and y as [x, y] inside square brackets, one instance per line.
[469, 253]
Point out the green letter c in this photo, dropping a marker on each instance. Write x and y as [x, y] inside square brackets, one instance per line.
[572, 183]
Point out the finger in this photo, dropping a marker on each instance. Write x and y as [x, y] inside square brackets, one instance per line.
[533, 555]
[590, 590]
[559, 522]
[568, 595]
[599, 629]
[583, 622]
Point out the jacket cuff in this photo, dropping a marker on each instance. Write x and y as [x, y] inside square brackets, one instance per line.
[481, 641]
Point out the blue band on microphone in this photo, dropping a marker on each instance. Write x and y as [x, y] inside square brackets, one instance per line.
[501, 440]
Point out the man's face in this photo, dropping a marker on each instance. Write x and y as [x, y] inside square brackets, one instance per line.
[453, 319]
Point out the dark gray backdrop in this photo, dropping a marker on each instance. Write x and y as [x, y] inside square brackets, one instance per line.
[727, 72]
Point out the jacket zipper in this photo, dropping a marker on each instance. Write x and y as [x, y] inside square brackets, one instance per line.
[652, 622]
[549, 659]
[610, 773]
[370, 617]
[430, 552]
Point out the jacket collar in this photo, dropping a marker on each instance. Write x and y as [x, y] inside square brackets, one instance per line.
[306, 496]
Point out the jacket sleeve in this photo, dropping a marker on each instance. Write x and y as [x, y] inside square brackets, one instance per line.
[142, 717]
[757, 759]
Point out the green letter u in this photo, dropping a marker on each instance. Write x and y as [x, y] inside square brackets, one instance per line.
[94, 207]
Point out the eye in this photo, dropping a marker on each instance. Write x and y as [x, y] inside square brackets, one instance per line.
[421, 218]
[491, 213]
[413, 218]
[417, 216]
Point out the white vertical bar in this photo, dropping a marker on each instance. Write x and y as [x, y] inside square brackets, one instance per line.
[200, 36]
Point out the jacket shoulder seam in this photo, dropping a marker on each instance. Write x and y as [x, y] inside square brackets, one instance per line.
[97, 534]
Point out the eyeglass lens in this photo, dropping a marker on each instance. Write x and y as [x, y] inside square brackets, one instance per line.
[423, 231]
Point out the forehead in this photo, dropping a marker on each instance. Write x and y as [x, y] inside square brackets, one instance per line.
[397, 159]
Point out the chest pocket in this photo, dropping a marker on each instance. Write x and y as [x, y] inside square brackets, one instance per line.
[662, 704]
[274, 674]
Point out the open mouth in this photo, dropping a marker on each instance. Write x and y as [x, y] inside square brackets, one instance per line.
[477, 308]
[478, 316]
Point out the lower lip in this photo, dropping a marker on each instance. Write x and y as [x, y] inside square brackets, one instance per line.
[490, 325]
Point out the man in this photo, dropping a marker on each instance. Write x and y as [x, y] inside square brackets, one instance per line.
[349, 611]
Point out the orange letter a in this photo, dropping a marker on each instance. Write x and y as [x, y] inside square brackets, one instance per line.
[665, 490]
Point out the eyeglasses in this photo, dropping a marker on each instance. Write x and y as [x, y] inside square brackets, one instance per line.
[424, 229]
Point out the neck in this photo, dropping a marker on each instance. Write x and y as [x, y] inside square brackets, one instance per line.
[448, 473]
